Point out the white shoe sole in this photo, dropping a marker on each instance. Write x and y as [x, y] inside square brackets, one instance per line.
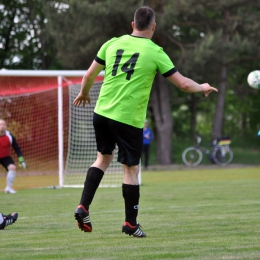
[10, 191]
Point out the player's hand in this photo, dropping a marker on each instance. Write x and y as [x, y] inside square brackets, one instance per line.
[82, 99]
[22, 162]
[207, 89]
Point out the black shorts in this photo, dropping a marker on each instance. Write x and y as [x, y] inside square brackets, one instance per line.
[6, 161]
[110, 133]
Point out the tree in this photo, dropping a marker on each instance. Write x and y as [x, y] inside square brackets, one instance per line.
[86, 25]
[25, 42]
[219, 36]
[208, 41]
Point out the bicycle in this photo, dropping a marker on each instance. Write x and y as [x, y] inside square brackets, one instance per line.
[221, 153]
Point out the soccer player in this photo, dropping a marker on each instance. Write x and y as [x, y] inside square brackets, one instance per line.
[6, 220]
[6, 141]
[131, 63]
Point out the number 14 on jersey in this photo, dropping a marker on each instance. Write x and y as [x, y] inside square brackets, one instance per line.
[128, 66]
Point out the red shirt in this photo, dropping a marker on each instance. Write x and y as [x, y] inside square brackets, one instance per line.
[6, 141]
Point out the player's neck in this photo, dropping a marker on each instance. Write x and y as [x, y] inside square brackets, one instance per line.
[142, 34]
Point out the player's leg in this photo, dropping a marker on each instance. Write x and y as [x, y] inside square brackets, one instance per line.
[94, 176]
[131, 195]
[1, 220]
[6, 220]
[9, 165]
[129, 141]
[105, 147]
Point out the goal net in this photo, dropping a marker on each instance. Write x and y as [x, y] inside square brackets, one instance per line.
[82, 146]
[57, 138]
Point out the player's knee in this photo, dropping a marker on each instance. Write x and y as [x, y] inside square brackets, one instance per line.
[106, 158]
[11, 167]
[103, 161]
[131, 170]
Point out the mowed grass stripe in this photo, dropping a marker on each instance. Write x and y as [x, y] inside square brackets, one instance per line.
[187, 214]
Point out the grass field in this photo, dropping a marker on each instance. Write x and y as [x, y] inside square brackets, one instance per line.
[187, 214]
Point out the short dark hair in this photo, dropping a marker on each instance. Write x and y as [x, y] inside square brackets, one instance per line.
[143, 18]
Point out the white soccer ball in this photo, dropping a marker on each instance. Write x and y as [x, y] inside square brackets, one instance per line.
[253, 79]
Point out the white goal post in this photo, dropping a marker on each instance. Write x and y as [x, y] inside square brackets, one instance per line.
[81, 147]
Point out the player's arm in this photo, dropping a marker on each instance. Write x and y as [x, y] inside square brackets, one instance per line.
[87, 82]
[188, 85]
[19, 153]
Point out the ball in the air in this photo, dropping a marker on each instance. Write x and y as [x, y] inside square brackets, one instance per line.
[253, 79]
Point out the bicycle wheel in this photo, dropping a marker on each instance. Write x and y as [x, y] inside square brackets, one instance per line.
[192, 156]
[222, 155]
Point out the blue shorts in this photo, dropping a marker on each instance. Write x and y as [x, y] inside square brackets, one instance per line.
[110, 133]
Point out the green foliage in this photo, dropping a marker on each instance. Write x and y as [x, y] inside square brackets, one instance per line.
[86, 25]
[199, 39]
[25, 42]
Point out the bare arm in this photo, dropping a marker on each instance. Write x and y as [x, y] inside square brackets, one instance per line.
[86, 84]
[190, 86]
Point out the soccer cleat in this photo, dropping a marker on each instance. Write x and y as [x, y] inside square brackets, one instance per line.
[9, 219]
[10, 190]
[83, 220]
[133, 230]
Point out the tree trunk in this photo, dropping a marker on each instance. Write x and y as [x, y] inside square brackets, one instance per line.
[160, 102]
[218, 120]
[219, 112]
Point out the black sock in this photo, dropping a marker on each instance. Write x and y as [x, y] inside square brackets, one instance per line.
[93, 178]
[2, 225]
[131, 196]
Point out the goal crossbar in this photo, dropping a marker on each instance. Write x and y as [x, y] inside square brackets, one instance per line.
[45, 73]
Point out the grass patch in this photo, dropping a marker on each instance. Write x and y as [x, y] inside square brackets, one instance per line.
[187, 214]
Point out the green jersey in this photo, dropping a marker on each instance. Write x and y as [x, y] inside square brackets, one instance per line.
[131, 64]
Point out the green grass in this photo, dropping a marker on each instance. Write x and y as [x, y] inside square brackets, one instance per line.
[187, 214]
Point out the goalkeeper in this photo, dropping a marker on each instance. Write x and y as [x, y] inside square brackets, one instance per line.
[6, 141]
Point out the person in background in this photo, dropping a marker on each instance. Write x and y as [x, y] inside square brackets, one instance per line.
[131, 63]
[6, 220]
[7, 140]
[147, 139]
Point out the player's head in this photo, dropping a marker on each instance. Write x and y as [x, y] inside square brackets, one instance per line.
[2, 125]
[144, 18]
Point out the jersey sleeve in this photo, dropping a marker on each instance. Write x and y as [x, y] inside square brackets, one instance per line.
[101, 55]
[164, 63]
[16, 147]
